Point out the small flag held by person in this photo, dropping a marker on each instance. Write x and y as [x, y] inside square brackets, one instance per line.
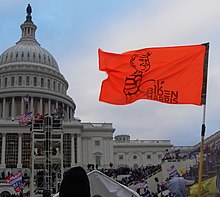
[172, 75]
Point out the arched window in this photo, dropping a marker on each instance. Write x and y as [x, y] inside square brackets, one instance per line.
[20, 80]
[27, 81]
[48, 83]
[54, 85]
[58, 87]
[6, 81]
[42, 82]
[12, 81]
[35, 81]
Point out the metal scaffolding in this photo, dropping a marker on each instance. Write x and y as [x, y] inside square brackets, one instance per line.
[46, 155]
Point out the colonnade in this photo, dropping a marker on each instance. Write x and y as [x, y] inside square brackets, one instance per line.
[17, 154]
[12, 107]
[76, 151]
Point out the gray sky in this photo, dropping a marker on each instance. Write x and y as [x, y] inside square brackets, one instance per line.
[72, 31]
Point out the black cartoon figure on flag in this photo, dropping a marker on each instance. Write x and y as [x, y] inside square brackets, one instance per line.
[172, 75]
[134, 82]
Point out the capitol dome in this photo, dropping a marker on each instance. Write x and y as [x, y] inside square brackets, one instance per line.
[27, 49]
[28, 69]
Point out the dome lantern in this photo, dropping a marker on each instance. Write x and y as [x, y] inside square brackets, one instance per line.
[27, 49]
[28, 28]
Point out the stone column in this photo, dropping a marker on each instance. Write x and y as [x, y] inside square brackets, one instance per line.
[3, 150]
[72, 151]
[49, 107]
[79, 150]
[32, 105]
[111, 150]
[41, 105]
[22, 105]
[105, 152]
[67, 112]
[19, 164]
[3, 110]
[89, 150]
[13, 107]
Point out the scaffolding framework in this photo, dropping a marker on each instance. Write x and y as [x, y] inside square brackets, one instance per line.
[46, 155]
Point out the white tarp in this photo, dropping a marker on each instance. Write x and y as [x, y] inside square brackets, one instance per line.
[105, 186]
[101, 184]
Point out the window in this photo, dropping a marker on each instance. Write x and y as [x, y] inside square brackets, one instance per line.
[6, 81]
[20, 80]
[97, 142]
[120, 157]
[11, 56]
[135, 157]
[12, 81]
[58, 87]
[54, 85]
[35, 81]
[27, 81]
[48, 83]
[159, 156]
[148, 156]
[42, 82]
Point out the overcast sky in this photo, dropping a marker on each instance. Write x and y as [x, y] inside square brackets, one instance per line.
[72, 31]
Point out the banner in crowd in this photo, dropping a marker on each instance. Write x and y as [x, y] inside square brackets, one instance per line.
[16, 181]
[101, 184]
[173, 75]
[209, 188]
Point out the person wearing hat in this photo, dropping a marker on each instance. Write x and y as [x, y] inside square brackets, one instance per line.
[75, 183]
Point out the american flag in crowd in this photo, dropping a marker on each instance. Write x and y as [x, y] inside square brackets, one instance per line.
[172, 171]
[25, 119]
[16, 181]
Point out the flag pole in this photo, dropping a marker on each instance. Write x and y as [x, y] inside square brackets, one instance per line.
[204, 94]
[201, 152]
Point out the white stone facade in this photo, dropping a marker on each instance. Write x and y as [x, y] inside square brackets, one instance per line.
[28, 70]
[30, 81]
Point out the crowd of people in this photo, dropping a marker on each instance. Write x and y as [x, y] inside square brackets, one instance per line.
[140, 175]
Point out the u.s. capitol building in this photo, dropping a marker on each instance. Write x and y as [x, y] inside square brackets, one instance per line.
[30, 81]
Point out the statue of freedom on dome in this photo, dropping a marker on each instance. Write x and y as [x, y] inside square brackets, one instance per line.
[29, 10]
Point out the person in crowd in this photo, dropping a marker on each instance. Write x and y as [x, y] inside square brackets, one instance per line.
[167, 155]
[177, 187]
[75, 183]
[38, 120]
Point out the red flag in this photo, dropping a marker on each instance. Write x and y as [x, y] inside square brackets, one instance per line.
[173, 75]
